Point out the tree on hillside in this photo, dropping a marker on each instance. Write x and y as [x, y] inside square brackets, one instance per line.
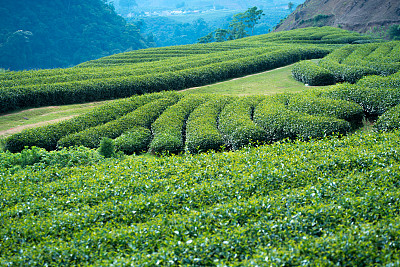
[62, 33]
[394, 32]
[238, 28]
[290, 6]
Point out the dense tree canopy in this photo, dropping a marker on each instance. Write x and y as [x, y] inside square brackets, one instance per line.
[239, 27]
[60, 33]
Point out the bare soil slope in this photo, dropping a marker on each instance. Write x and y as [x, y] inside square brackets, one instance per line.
[355, 15]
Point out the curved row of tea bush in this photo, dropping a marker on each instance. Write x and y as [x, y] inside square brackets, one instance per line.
[366, 59]
[202, 133]
[90, 82]
[293, 116]
[108, 88]
[279, 122]
[350, 64]
[236, 122]
[168, 130]
[375, 94]
[143, 68]
[134, 141]
[316, 35]
[310, 73]
[341, 109]
[143, 116]
[48, 136]
[390, 120]
[326, 202]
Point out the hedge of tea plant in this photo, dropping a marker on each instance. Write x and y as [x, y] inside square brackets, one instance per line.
[390, 120]
[374, 93]
[169, 128]
[134, 141]
[351, 63]
[236, 122]
[48, 136]
[202, 132]
[310, 73]
[144, 116]
[325, 202]
[279, 122]
[169, 68]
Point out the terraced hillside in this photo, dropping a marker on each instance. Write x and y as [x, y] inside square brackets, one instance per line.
[159, 69]
[283, 189]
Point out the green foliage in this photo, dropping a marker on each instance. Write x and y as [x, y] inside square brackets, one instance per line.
[394, 32]
[351, 63]
[240, 24]
[320, 106]
[169, 128]
[134, 141]
[236, 122]
[390, 120]
[62, 33]
[153, 70]
[325, 202]
[279, 122]
[106, 148]
[48, 136]
[39, 158]
[310, 73]
[202, 132]
[374, 101]
[144, 116]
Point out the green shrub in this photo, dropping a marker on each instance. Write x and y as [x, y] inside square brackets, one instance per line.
[236, 125]
[144, 116]
[320, 106]
[310, 73]
[136, 140]
[169, 128]
[390, 120]
[106, 148]
[374, 101]
[68, 157]
[48, 136]
[280, 123]
[202, 132]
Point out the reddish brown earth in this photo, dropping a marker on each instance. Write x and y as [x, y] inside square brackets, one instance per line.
[355, 15]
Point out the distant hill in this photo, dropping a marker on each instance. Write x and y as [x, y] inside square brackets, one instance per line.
[60, 33]
[151, 5]
[355, 15]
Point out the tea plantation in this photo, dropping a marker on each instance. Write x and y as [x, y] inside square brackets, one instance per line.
[278, 180]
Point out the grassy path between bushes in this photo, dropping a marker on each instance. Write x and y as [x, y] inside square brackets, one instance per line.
[269, 82]
[17, 121]
[274, 81]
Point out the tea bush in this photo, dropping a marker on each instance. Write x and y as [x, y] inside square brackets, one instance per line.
[279, 122]
[48, 136]
[236, 122]
[310, 73]
[168, 130]
[374, 101]
[324, 202]
[202, 133]
[144, 116]
[134, 141]
[390, 120]
[340, 109]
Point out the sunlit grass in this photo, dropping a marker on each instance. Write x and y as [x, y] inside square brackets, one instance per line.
[266, 83]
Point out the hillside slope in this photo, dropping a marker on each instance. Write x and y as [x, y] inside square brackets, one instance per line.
[355, 15]
[42, 34]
